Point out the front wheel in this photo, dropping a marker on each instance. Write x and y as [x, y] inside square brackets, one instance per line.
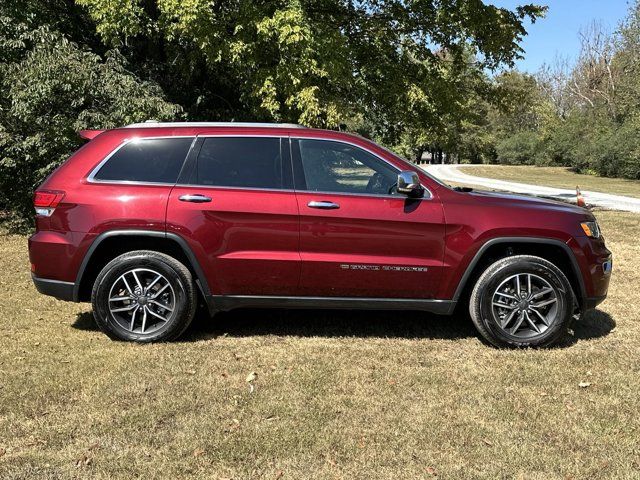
[522, 301]
[144, 296]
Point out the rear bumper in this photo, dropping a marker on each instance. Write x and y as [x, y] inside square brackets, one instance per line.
[57, 255]
[55, 288]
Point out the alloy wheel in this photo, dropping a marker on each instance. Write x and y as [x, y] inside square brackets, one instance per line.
[141, 301]
[524, 305]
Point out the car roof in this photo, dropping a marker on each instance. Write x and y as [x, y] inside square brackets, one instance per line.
[155, 124]
[154, 128]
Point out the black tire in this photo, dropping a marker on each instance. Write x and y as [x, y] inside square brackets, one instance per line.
[496, 323]
[176, 302]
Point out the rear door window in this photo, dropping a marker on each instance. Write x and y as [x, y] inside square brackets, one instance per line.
[152, 160]
[243, 162]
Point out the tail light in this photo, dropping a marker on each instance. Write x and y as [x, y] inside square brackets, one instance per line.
[46, 201]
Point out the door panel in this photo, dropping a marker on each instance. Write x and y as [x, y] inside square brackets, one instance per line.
[358, 237]
[370, 246]
[246, 238]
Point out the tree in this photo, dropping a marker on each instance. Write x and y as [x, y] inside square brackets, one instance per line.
[521, 119]
[585, 115]
[594, 78]
[627, 61]
[407, 72]
[317, 62]
[49, 89]
[599, 130]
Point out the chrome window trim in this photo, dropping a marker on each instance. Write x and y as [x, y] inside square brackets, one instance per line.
[91, 177]
[216, 187]
[154, 124]
[242, 135]
[382, 196]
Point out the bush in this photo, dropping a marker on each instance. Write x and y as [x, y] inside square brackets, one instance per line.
[52, 90]
[617, 154]
[521, 148]
[592, 144]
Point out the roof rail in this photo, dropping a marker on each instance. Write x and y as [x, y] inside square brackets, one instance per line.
[156, 124]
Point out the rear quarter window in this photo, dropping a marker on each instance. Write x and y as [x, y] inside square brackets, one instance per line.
[155, 160]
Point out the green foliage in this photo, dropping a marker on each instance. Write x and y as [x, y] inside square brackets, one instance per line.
[49, 89]
[407, 73]
[414, 75]
[518, 149]
[597, 145]
[586, 116]
[392, 65]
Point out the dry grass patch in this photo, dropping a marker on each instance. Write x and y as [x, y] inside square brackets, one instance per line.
[365, 395]
[559, 177]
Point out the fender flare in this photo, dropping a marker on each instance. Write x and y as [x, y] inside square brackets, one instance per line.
[540, 240]
[201, 279]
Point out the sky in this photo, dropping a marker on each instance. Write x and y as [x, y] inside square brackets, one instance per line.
[557, 33]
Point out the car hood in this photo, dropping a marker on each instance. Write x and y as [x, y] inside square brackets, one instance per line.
[526, 201]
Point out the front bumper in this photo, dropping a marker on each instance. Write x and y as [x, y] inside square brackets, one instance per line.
[607, 266]
[594, 262]
[601, 275]
[592, 302]
[55, 288]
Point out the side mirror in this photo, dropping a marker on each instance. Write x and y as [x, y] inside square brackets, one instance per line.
[409, 184]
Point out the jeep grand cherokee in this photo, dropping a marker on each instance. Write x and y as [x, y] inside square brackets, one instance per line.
[148, 220]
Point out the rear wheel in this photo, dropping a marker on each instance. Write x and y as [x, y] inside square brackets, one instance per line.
[522, 301]
[144, 296]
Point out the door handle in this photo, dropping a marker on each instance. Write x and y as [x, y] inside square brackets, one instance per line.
[194, 198]
[325, 205]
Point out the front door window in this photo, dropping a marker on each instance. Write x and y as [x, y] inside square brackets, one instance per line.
[336, 167]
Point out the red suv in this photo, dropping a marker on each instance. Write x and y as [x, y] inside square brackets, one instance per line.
[149, 220]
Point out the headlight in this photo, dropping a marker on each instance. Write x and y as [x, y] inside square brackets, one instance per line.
[591, 229]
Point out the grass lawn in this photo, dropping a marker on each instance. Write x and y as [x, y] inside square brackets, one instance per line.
[364, 395]
[559, 177]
